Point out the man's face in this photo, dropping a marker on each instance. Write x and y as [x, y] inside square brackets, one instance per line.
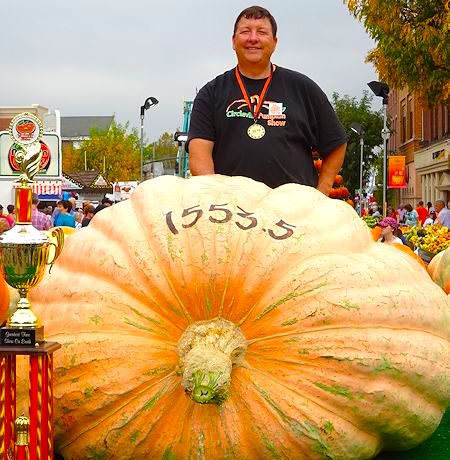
[253, 41]
[439, 206]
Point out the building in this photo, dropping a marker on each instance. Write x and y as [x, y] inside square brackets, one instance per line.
[74, 130]
[422, 135]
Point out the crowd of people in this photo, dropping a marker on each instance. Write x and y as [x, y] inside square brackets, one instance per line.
[65, 213]
[407, 216]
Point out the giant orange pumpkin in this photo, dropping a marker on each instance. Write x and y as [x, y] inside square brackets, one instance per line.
[215, 318]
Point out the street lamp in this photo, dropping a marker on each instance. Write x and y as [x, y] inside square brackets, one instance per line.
[359, 130]
[149, 102]
[381, 89]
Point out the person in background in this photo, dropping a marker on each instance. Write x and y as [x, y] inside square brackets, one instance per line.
[431, 219]
[11, 215]
[78, 216]
[392, 212]
[389, 227]
[429, 205]
[3, 221]
[375, 210]
[443, 213]
[411, 216]
[106, 203]
[39, 220]
[89, 212]
[64, 218]
[401, 213]
[422, 211]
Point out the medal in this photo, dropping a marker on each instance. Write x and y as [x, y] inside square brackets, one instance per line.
[256, 131]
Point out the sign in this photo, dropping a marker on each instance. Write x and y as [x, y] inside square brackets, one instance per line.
[397, 172]
[51, 156]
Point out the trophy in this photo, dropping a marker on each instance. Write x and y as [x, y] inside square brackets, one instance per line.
[24, 250]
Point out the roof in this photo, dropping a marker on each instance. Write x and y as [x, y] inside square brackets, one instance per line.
[88, 179]
[81, 126]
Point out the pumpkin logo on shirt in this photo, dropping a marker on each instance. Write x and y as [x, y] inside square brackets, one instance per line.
[271, 111]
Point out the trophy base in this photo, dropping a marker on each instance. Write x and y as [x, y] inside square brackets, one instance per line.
[21, 336]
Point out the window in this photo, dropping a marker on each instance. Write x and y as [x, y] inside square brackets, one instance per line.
[410, 119]
[403, 122]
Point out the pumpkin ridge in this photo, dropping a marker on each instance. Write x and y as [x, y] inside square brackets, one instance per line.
[105, 416]
[349, 326]
[312, 407]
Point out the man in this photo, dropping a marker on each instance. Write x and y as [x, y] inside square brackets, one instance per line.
[39, 220]
[90, 211]
[422, 211]
[106, 203]
[263, 121]
[64, 218]
[443, 213]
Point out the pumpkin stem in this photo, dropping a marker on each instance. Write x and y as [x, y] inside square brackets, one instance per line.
[208, 351]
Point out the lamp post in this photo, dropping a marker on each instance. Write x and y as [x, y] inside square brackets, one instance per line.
[149, 102]
[359, 130]
[381, 89]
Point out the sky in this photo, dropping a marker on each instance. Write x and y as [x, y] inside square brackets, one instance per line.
[104, 57]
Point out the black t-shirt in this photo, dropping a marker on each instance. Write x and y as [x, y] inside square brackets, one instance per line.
[297, 117]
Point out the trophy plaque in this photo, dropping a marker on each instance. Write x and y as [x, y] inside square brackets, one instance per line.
[24, 250]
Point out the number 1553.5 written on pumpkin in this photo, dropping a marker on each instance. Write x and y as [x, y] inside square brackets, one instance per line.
[220, 214]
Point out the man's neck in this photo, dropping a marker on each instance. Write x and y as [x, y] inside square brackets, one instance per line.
[255, 72]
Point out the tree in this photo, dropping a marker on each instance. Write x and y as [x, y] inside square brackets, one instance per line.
[413, 44]
[349, 110]
[113, 152]
[165, 147]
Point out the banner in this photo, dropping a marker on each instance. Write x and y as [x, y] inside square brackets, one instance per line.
[397, 172]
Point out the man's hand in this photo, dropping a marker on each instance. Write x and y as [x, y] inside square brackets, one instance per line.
[331, 165]
[200, 157]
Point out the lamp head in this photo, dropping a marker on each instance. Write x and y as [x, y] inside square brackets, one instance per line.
[149, 102]
[380, 89]
[357, 128]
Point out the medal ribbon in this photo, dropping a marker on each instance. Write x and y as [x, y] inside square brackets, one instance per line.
[261, 96]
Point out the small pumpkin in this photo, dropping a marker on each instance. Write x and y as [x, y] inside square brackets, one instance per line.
[338, 180]
[215, 318]
[439, 269]
[4, 299]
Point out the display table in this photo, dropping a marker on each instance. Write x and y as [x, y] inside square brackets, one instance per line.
[40, 384]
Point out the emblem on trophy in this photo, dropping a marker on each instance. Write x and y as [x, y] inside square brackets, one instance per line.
[24, 250]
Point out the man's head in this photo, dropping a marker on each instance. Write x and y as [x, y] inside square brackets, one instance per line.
[256, 12]
[255, 36]
[10, 208]
[35, 199]
[439, 205]
[64, 206]
[420, 204]
[90, 211]
[106, 201]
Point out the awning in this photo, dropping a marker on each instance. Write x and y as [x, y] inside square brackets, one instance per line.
[46, 187]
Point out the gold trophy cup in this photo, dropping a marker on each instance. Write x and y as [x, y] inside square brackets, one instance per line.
[24, 250]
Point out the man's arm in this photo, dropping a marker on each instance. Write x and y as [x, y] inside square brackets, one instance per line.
[200, 157]
[331, 165]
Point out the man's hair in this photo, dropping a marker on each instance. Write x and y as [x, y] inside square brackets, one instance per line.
[35, 199]
[256, 12]
[420, 203]
[67, 205]
[10, 208]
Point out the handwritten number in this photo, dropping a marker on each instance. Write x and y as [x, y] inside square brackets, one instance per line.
[217, 207]
[191, 210]
[285, 226]
[246, 215]
[170, 224]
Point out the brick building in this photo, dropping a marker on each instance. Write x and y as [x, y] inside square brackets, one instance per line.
[423, 136]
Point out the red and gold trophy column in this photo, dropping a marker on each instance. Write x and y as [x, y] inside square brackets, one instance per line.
[24, 255]
[39, 432]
